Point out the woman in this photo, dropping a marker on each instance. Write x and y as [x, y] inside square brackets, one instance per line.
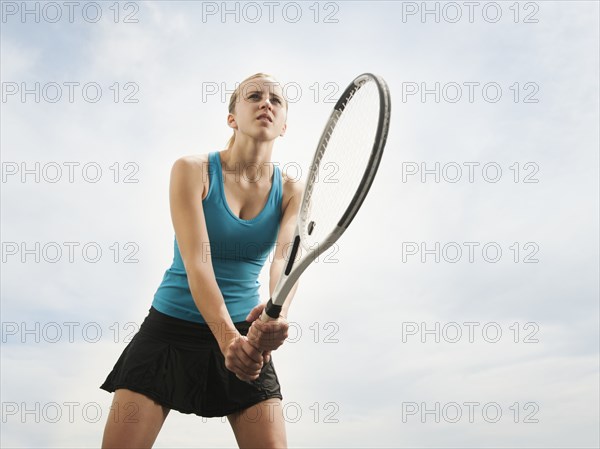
[201, 348]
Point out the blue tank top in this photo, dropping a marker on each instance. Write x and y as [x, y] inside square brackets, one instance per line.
[238, 250]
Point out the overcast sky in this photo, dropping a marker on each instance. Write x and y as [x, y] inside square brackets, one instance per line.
[461, 308]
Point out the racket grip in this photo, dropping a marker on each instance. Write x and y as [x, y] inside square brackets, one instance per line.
[271, 311]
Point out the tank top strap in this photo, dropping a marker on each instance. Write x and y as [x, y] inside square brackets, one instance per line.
[215, 174]
[277, 190]
[216, 193]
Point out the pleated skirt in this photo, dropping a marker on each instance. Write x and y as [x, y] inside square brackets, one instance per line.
[178, 364]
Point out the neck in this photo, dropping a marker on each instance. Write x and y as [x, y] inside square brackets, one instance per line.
[250, 158]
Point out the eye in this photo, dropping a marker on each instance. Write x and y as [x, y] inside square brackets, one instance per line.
[276, 100]
[254, 95]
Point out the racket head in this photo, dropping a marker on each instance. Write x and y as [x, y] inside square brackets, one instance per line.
[351, 144]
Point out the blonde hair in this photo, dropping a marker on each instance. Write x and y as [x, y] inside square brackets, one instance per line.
[235, 98]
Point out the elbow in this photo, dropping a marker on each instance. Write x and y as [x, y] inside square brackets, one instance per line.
[198, 278]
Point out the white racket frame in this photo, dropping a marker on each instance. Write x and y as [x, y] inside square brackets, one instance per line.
[294, 268]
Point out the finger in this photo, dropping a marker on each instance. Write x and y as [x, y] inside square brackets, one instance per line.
[251, 352]
[234, 366]
[255, 336]
[259, 324]
[265, 342]
[273, 336]
[268, 335]
[254, 330]
[243, 355]
[247, 357]
[242, 377]
[251, 374]
[246, 377]
[267, 356]
[271, 327]
[255, 313]
[255, 342]
[244, 369]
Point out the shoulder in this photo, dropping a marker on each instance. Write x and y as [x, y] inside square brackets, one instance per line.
[191, 161]
[293, 189]
[191, 170]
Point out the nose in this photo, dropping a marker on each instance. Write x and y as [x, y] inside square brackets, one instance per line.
[267, 103]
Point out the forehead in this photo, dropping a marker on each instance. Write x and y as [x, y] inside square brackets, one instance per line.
[263, 85]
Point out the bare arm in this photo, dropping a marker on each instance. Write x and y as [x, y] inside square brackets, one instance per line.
[270, 335]
[284, 238]
[185, 193]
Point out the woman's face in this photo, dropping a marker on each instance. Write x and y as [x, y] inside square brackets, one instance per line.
[260, 111]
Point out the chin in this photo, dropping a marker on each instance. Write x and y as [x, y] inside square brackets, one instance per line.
[265, 137]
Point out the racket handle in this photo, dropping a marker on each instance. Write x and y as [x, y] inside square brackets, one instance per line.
[271, 311]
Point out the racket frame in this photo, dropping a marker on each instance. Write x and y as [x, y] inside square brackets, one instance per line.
[295, 267]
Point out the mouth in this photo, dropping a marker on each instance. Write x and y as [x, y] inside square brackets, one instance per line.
[265, 117]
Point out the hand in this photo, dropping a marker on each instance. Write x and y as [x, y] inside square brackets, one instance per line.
[243, 359]
[266, 336]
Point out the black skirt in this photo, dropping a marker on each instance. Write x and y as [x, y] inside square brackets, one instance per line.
[179, 365]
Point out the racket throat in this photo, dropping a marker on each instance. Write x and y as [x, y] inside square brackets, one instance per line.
[292, 259]
[273, 309]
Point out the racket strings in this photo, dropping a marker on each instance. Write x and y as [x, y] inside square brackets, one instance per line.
[345, 153]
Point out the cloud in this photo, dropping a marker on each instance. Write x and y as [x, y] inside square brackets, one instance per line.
[355, 306]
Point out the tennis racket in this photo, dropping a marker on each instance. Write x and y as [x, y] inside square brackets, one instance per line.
[353, 141]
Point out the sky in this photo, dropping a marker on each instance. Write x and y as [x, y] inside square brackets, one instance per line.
[461, 307]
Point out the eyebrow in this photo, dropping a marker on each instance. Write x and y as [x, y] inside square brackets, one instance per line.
[260, 91]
